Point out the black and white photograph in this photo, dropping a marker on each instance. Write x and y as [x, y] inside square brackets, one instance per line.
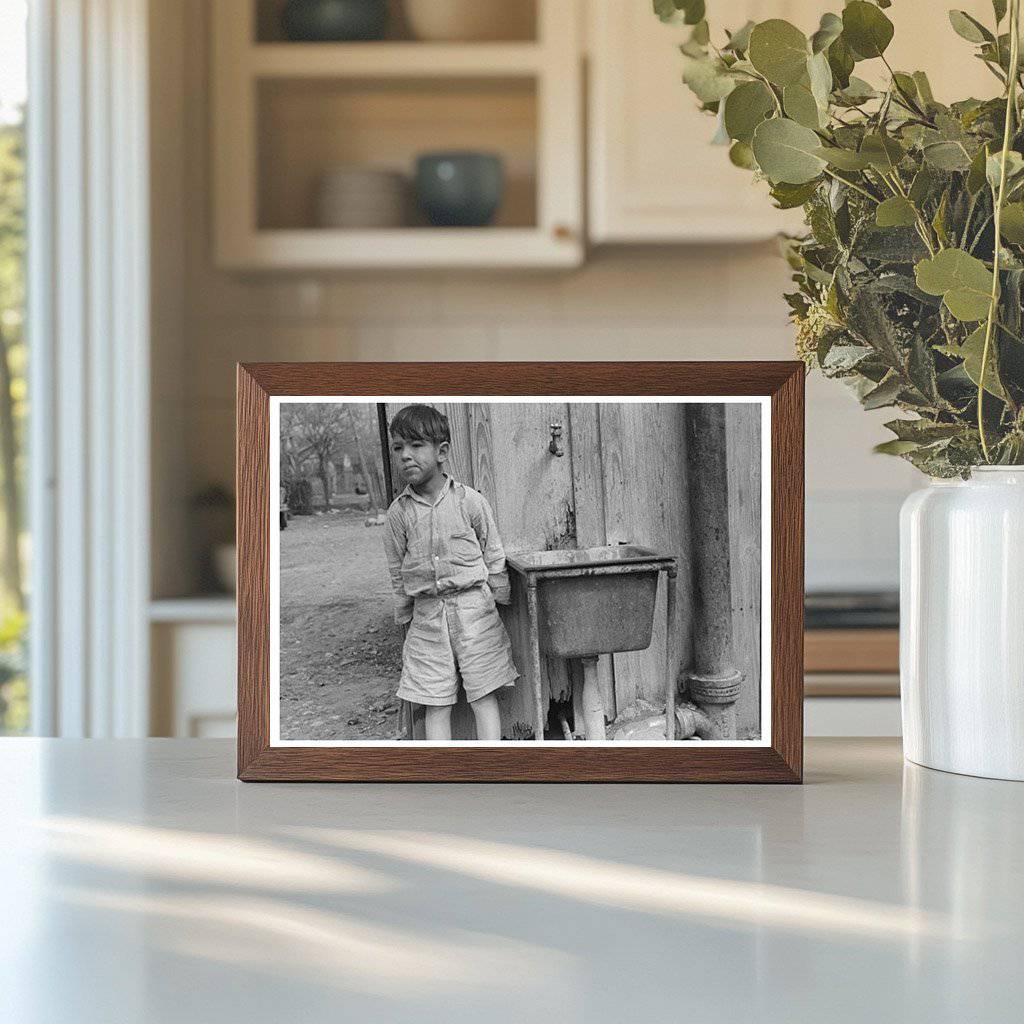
[446, 571]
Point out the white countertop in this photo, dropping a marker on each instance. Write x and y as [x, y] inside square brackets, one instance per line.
[140, 882]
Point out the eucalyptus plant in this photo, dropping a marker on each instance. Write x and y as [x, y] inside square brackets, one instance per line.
[910, 277]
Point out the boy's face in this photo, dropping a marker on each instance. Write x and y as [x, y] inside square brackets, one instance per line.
[418, 460]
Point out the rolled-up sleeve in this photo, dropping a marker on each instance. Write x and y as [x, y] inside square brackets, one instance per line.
[494, 554]
[395, 543]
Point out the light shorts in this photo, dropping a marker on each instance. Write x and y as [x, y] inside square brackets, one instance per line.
[451, 635]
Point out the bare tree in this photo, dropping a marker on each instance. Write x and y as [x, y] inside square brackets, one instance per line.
[321, 426]
[312, 436]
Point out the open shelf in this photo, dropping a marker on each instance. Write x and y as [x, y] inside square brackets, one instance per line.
[520, 24]
[309, 127]
[286, 114]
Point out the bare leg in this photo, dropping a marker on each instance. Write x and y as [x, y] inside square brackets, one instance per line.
[438, 725]
[488, 718]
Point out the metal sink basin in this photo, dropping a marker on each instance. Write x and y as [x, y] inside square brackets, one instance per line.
[593, 601]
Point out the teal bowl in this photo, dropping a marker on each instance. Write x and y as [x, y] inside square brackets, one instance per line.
[334, 21]
[462, 190]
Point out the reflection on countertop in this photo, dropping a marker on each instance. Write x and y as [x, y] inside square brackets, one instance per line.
[145, 883]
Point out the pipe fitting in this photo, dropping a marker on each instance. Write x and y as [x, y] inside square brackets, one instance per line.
[715, 689]
[691, 721]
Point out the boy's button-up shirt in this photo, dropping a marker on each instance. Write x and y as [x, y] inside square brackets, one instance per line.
[449, 545]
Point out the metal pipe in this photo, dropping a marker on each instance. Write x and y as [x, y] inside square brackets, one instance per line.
[566, 731]
[670, 653]
[538, 689]
[593, 701]
[714, 681]
[691, 721]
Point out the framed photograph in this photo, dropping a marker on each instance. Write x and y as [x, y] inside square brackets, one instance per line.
[559, 572]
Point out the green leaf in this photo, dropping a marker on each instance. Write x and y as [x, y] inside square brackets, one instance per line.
[923, 431]
[701, 34]
[819, 74]
[883, 152]
[885, 394]
[721, 136]
[741, 155]
[866, 29]
[889, 245]
[857, 91]
[895, 212]
[924, 88]
[969, 28]
[993, 166]
[921, 369]
[947, 156]
[1011, 226]
[976, 173]
[786, 151]
[895, 447]
[689, 12]
[707, 78]
[922, 185]
[844, 159]
[963, 281]
[905, 84]
[999, 9]
[801, 106]
[829, 30]
[788, 197]
[779, 51]
[693, 10]
[939, 220]
[745, 108]
[971, 352]
[840, 61]
[666, 10]
[739, 41]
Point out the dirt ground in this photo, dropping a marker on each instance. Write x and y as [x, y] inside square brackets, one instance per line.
[341, 653]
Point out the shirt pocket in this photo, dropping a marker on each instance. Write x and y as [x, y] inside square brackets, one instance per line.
[464, 546]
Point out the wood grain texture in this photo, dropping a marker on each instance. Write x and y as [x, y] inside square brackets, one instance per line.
[645, 487]
[586, 453]
[780, 762]
[743, 458]
[253, 533]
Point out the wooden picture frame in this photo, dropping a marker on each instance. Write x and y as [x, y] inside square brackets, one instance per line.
[778, 759]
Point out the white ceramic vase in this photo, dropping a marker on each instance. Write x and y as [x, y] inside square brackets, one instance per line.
[962, 624]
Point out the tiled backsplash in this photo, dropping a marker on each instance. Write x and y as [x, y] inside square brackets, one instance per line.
[669, 304]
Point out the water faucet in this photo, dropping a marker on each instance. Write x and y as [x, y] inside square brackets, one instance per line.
[555, 447]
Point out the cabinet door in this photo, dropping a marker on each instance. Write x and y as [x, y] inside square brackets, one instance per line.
[654, 177]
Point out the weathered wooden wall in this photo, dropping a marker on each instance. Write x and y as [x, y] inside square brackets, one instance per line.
[622, 479]
[743, 436]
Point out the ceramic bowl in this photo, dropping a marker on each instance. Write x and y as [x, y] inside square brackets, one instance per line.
[460, 189]
[470, 20]
[332, 21]
[359, 197]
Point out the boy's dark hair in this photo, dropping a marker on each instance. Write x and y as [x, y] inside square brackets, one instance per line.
[421, 423]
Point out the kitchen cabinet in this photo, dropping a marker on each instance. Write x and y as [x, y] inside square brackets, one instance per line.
[287, 114]
[653, 175]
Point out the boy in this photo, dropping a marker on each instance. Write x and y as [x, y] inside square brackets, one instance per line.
[447, 569]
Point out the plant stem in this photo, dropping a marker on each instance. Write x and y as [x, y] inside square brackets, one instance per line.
[907, 99]
[1011, 108]
[853, 185]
